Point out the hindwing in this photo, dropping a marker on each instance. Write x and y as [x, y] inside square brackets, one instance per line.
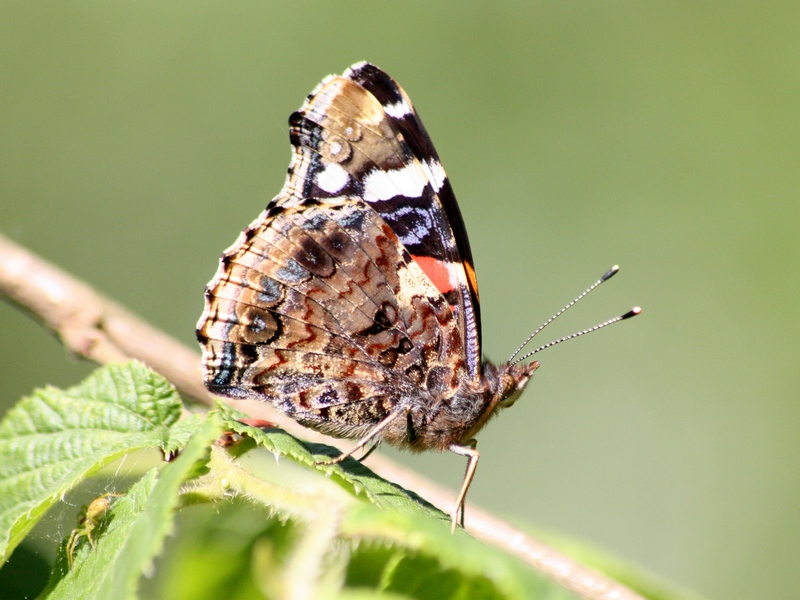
[320, 309]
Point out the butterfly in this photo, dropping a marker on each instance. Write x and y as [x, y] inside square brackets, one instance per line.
[351, 303]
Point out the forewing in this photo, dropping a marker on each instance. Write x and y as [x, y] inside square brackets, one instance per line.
[358, 135]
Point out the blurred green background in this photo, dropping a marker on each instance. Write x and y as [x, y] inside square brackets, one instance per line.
[138, 138]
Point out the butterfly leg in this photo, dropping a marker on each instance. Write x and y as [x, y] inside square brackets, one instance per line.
[371, 435]
[370, 451]
[468, 450]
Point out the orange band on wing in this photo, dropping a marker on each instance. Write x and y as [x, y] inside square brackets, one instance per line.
[473, 280]
[437, 272]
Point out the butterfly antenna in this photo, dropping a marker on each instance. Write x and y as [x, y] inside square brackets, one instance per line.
[609, 274]
[631, 313]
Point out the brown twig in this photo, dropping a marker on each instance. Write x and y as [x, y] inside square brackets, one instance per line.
[98, 329]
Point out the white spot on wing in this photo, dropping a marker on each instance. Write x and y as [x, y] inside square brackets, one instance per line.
[398, 110]
[435, 172]
[382, 185]
[332, 178]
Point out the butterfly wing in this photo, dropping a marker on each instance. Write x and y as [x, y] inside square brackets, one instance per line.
[320, 310]
[358, 135]
[353, 293]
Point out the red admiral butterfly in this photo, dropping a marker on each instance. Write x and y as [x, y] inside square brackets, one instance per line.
[351, 303]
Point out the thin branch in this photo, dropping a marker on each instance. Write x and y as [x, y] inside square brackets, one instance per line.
[89, 324]
[98, 329]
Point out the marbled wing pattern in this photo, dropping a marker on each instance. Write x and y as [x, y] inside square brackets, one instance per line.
[319, 309]
[358, 135]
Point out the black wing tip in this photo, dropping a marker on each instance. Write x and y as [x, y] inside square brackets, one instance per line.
[362, 68]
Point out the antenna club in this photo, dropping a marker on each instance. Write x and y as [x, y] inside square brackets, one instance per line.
[610, 273]
[636, 310]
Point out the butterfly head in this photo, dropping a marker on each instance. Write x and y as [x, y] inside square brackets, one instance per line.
[512, 379]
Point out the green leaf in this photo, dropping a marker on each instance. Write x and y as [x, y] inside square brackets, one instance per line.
[53, 439]
[422, 553]
[350, 473]
[210, 557]
[429, 560]
[137, 526]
